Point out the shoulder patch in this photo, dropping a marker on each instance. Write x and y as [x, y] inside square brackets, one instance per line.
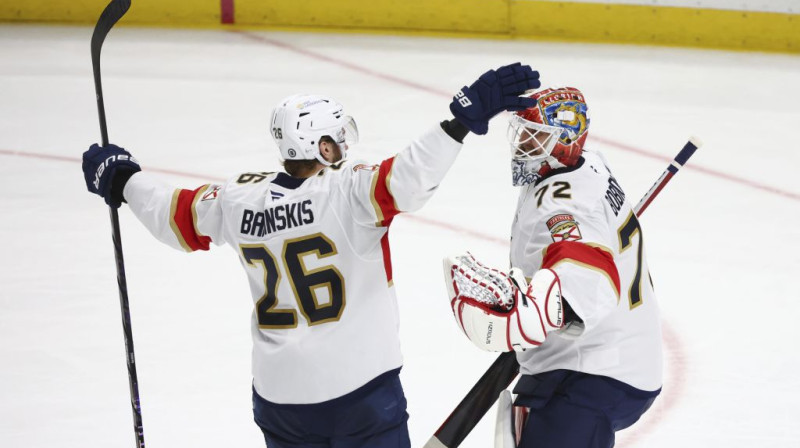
[362, 166]
[211, 193]
[564, 228]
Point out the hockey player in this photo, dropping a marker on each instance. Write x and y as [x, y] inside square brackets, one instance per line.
[314, 243]
[578, 305]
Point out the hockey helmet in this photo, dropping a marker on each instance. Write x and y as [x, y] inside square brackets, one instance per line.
[552, 132]
[299, 121]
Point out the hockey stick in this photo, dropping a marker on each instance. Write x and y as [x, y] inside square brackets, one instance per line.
[677, 163]
[110, 16]
[505, 368]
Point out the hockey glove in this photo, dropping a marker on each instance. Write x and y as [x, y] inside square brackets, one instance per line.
[106, 170]
[494, 92]
[501, 312]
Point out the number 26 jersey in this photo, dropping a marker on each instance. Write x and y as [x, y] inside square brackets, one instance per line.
[316, 254]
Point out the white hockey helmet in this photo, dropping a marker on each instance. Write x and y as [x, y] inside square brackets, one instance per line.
[299, 121]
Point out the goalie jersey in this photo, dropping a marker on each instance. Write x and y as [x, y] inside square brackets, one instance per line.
[577, 222]
[316, 254]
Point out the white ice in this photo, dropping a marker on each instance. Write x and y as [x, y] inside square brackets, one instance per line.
[722, 238]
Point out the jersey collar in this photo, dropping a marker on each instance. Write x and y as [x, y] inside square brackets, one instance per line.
[286, 181]
[566, 169]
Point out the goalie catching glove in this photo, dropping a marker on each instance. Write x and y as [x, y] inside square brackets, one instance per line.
[501, 312]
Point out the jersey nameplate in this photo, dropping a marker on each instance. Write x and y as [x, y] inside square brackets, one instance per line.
[614, 195]
[275, 219]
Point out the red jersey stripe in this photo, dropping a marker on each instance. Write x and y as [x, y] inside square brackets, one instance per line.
[382, 198]
[183, 220]
[387, 257]
[584, 255]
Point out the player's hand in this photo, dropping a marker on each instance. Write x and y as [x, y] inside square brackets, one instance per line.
[494, 92]
[106, 169]
[499, 311]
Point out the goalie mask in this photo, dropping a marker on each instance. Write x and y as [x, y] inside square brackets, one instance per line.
[549, 135]
[299, 121]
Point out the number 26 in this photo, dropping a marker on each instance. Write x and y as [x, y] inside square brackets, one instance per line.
[304, 282]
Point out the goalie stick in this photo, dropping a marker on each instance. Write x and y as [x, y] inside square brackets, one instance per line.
[108, 18]
[505, 368]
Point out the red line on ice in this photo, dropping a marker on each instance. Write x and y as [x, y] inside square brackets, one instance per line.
[676, 375]
[356, 68]
[708, 171]
[675, 378]
[413, 85]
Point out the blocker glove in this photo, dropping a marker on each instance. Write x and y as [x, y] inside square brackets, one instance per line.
[494, 92]
[106, 170]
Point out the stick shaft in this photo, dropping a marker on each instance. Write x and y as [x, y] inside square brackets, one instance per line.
[476, 403]
[677, 163]
[110, 16]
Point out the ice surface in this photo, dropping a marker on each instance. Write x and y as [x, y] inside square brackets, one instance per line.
[195, 105]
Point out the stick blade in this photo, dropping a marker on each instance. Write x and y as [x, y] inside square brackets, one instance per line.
[433, 442]
[109, 17]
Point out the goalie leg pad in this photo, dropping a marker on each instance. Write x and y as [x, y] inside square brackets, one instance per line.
[504, 436]
[510, 421]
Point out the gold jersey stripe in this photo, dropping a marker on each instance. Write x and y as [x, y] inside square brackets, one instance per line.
[172, 208]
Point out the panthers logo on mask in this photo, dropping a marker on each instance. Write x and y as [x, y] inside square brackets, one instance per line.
[569, 115]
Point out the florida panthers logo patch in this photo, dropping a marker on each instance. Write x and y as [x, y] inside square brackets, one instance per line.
[564, 228]
[211, 193]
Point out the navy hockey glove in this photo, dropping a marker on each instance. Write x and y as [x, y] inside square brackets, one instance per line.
[494, 92]
[106, 170]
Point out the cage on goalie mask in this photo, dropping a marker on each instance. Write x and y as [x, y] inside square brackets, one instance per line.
[554, 131]
[299, 121]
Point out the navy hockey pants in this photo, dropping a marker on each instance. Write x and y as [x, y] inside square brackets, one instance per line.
[372, 416]
[577, 410]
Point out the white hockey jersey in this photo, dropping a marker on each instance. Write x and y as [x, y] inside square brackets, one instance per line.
[577, 222]
[316, 253]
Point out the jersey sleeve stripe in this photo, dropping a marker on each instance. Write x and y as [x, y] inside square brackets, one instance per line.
[382, 198]
[378, 211]
[596, 258]
[387, 258]
[389, 186]
[601, 247]
[199, 194]
[172, 211]
[183, 220]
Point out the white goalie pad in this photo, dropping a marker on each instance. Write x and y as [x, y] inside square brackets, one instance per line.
[510, 421]
[504, 434]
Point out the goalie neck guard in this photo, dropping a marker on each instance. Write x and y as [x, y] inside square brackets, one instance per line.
[549, 135]
[299, 121]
